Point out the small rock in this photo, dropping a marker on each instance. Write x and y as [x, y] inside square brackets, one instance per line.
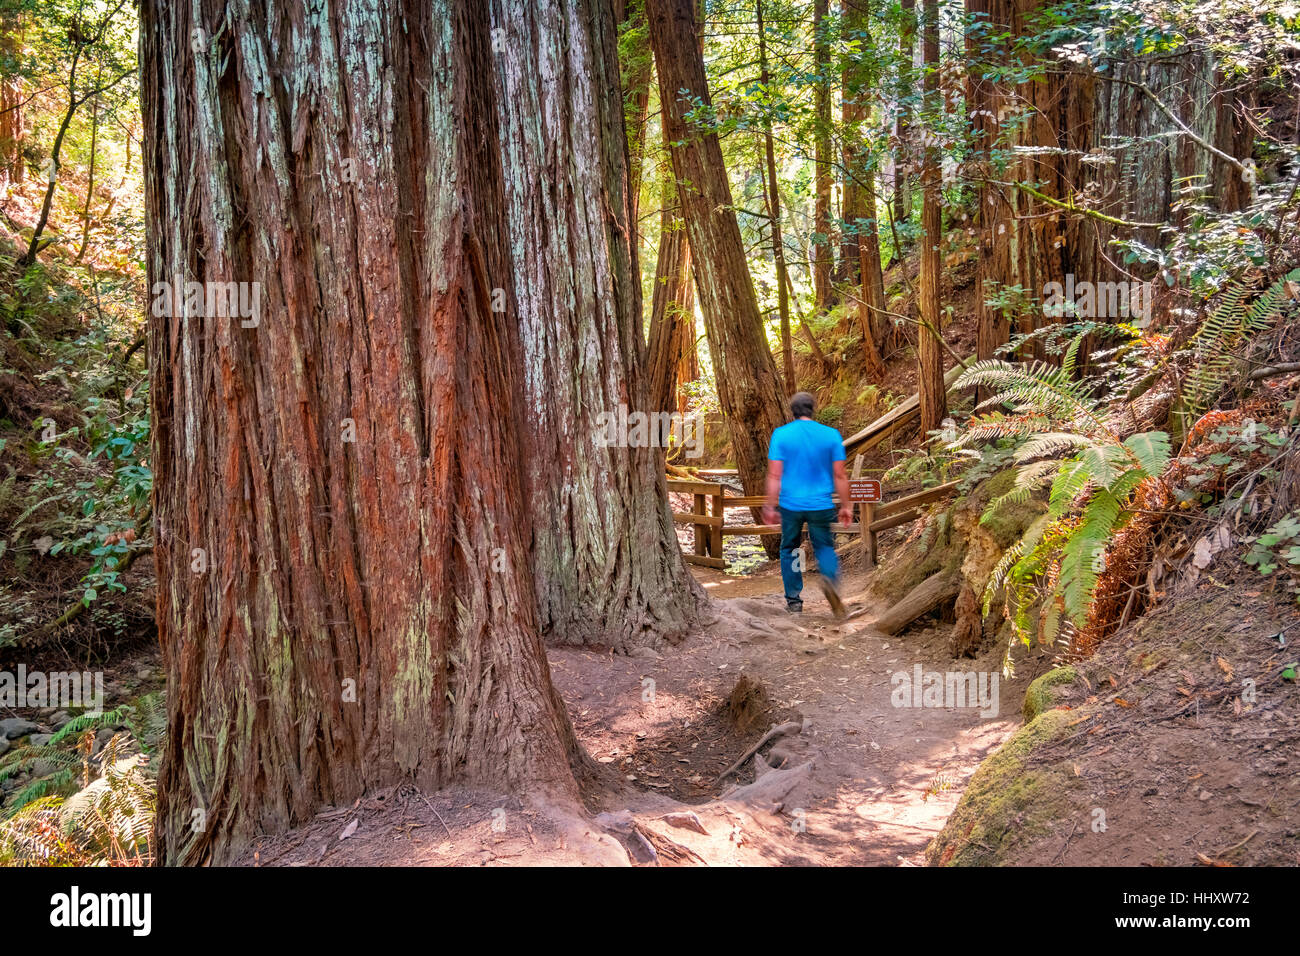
[13, 727]
[686, 820]
[40, 740]
[4, 745]
[60, 719]
[144, 673]
[646, 652]
[1205, 795]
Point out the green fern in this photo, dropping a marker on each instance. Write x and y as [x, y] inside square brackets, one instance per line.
[1095, 481]
[1222, 335]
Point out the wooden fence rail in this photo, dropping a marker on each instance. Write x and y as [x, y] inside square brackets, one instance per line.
[712, 499]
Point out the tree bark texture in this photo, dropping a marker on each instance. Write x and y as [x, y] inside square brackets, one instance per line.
[929, 351]
[746, 376]
[609, 567]
[345, 592]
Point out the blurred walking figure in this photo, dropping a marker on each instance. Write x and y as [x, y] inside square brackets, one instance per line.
[805, 463]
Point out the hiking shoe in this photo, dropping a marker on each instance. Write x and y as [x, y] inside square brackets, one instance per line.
[833, 598]
[794, 607]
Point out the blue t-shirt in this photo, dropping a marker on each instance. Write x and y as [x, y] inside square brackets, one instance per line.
[809, 450]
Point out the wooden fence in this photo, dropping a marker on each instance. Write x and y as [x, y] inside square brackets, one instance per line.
[711, 500]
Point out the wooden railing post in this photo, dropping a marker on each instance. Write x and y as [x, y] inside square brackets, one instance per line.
[701, 530]
[865, 519]
[866, 514]
[715, 533]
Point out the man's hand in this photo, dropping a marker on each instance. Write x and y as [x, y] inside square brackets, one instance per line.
[846, 514]
[774, 472]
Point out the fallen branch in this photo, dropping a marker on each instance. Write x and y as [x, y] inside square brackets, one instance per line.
[778, 730]
[1268, 371]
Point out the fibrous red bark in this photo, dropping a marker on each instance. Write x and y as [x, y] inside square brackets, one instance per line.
[748, 387]
[609, 568]
[345, 590]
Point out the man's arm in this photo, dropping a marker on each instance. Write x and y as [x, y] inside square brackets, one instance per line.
[774, 471]
[842, 489]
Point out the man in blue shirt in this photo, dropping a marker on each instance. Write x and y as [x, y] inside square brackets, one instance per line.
[805, 461]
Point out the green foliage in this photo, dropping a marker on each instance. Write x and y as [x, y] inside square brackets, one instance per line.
[108, 822]
[1091, 486]
[1278, 548]
[1216, 345]
[54, 765]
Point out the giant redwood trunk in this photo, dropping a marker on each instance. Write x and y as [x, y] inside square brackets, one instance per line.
[748, 387]
[609, 568]
[345, 593]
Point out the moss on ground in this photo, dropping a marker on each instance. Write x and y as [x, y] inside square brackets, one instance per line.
[939, 548]
[1039, 697]
[1006, 804]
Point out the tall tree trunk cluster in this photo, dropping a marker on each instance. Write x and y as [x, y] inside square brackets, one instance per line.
[377, 493]
[745, 374]
[1094, 140]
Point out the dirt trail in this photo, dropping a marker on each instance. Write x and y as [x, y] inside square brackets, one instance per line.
[882, 780]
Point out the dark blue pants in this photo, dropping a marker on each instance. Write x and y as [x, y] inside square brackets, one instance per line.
[819, 529]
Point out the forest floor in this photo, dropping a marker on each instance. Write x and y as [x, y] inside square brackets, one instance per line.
[864, 782]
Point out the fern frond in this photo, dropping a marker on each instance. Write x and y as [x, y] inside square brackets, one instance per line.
[1050, 444]
[1083, 558]
[1151, 450]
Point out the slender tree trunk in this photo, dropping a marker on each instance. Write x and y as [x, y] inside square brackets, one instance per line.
[929, 351]
[773, 197]
[345, 587]
[688, 365]
[11, 99]
[609, 567]
[748, 386]
[90, 179]
[672, 325]
[902, 198]
[637, 70]
[823, 246]
[28, 258]
[859, 196]
[854, 93]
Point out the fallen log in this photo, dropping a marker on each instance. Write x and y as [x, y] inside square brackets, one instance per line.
[936, 590]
